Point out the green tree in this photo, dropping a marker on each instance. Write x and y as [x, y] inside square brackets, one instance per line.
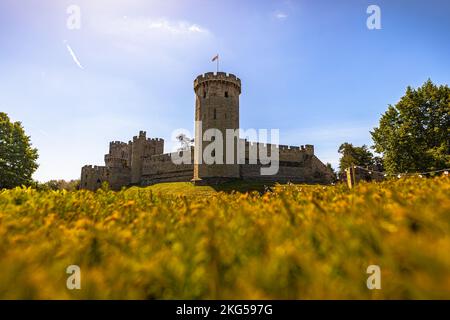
[17, 157]
[60, 185]
[414, 134]
[332, 171]
[359, 156]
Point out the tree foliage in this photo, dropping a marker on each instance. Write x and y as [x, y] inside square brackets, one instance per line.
[17, 157]
[70, 185]
[359, 156]
[333, 172]
[414, 134]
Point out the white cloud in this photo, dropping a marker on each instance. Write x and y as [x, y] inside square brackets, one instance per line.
[147, 27]
[161, 38]
[177, 27]
[281, 15]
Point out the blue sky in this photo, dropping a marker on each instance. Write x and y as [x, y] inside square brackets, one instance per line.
[309, 68]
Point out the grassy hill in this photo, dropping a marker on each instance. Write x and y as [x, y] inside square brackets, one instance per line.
[189, 190]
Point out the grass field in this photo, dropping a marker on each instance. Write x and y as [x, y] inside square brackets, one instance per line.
[179, 241]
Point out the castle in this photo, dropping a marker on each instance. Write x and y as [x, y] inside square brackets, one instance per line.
[142, 161]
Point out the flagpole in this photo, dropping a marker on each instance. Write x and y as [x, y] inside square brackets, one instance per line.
[216, 57]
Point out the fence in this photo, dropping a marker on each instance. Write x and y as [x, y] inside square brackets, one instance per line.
[355, 174]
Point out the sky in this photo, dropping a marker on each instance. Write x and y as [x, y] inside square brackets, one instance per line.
[312, 69]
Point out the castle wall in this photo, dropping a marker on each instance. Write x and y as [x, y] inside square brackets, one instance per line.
[296, 164]
[92, 177]
[119, 178]
[123, 163]
[161, 168]
[285, 153]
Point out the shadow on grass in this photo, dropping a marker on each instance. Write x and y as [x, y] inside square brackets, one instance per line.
[243, 186]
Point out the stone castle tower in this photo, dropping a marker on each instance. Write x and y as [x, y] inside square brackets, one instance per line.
[141, 148]
[216, 107]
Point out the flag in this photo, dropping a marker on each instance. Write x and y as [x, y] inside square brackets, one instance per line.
[215, 58]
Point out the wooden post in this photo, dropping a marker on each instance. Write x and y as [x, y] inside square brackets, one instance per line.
[351, 177]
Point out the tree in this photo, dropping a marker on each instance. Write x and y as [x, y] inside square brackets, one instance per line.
[17, 157]
[71, 185]
[332, 171]
[414, 135]
[358, 156]
[185, 142]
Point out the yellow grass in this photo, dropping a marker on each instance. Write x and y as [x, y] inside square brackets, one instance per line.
[179, 241]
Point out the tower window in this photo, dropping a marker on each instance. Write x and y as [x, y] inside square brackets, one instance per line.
[226, 94]
[204, 94]
[213, 153]
[215, 114]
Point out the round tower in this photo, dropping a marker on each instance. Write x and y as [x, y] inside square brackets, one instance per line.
[216, 107]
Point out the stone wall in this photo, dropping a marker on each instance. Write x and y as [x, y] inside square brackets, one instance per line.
[123, 163]
[92, 177]
[161, 168]
[296, 164]
[119, 154]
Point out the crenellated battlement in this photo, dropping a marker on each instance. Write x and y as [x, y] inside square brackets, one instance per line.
[117, 144]
[218, 76]
[91, 168]
[282, 148]
[142, 136]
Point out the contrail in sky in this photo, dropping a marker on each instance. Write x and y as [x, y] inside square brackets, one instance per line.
[74, 57]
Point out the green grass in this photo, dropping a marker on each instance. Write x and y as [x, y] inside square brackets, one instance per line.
[190, 190]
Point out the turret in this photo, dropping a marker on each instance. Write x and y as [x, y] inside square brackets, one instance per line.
[137, 153]
[141, 147]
